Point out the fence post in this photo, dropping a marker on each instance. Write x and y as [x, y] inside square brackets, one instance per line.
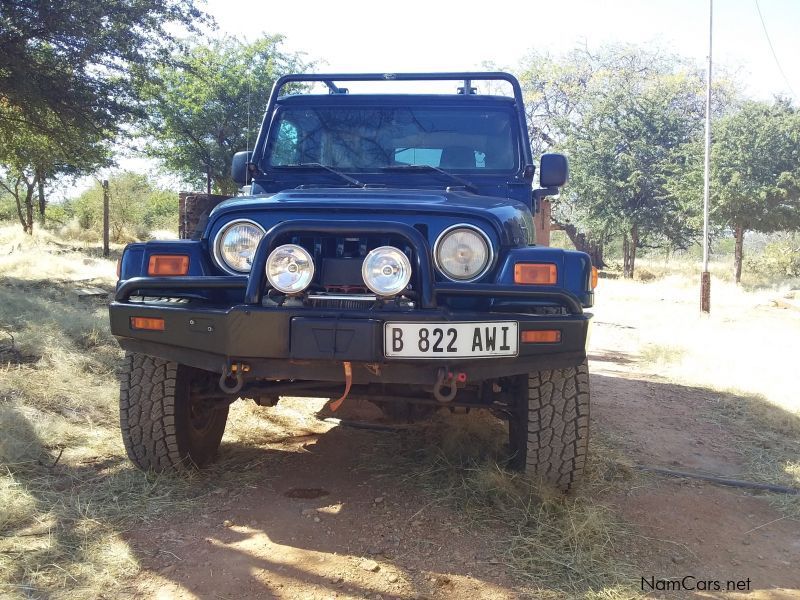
[105, 218]
[541, 223]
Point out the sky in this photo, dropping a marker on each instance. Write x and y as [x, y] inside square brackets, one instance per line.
[446, 35]
[415, 35]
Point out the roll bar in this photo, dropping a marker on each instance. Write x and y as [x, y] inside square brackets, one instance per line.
[330, 79]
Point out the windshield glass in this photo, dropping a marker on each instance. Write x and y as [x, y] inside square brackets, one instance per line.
[468, 139]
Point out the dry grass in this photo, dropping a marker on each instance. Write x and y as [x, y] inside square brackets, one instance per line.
[745, 344]
[662, 354]
[654, 269]
[769, 438]
[67, 491]
[746, 350]
[558, 547]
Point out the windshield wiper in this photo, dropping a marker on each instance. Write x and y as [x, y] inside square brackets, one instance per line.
[313, 165]
[470, 186]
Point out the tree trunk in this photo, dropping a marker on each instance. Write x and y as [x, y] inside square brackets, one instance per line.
[629, 244]
[42, 201]
[20, 214]
[208, 179]
[28, 225]
[583, 243]
[738, 253]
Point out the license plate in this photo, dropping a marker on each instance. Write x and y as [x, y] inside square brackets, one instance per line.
[450, 340]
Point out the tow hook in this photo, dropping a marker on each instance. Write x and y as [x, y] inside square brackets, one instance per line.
[449, 381]
[232, 378]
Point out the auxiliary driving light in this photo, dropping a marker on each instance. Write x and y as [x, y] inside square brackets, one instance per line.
[386, 271]
[463, 253]
[290, 269]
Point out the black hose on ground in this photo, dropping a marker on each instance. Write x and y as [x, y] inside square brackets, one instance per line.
[768, 487]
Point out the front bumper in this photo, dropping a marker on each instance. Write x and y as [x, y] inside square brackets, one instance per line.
[212, 332]
[277, 343]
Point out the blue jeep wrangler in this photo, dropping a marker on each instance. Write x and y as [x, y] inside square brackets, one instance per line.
[384, 250]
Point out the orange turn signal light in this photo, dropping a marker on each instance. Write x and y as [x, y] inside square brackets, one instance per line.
[545, 336]
[535, 273]
[594, 277]
[148, 323]
[168, 265]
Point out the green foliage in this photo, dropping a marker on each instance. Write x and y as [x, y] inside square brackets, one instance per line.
[629, 119]
[207, 108]
[69, 74]
[30, 158]
[631, 137]
[72, 65]
[136, 208]
[8, 209]
[779, 259]
[755, 171]
[635, 126]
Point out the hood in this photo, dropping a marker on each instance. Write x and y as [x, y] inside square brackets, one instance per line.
[511, 219]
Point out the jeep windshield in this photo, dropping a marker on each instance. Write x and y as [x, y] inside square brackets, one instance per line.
[374, 139]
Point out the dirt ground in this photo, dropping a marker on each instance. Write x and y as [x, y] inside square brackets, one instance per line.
[319, 522]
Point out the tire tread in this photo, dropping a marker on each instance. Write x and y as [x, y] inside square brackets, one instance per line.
[146, 410]
[558, 426]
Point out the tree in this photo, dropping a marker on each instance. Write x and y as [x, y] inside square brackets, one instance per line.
[78, 61]
[555, 91]
[136, 207]
[755, 171]
[626, 118]
[29, 158]
[633, 134]
[206, 109]
[67, 84]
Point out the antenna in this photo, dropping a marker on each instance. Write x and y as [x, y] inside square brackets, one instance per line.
[249, 93]
[247, 131]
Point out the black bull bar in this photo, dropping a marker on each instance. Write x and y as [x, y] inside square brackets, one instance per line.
[254, 284]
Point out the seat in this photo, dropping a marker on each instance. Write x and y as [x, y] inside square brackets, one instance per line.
[457, 157]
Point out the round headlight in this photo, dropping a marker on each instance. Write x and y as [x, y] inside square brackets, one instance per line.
[463, 253]
[236, 244]
[290, 269]
[386, 271]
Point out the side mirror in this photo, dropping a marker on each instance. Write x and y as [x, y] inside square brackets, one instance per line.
[554, 170]
[240, 171]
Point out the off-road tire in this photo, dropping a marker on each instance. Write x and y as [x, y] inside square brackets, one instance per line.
[161, 427]
[549, 431]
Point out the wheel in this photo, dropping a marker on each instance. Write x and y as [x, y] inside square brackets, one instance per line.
[549, 430]
[162, 428]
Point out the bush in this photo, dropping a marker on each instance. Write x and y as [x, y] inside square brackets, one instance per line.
[8, 208]
[779, 258]
[136, 207]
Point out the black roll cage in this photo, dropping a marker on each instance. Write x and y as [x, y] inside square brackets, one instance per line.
[330, 79]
